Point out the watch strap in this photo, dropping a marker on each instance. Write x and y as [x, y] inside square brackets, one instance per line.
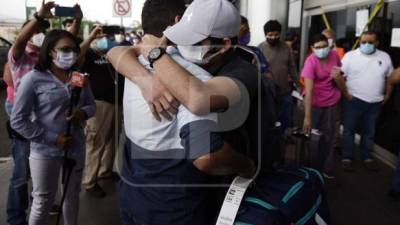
[38, 18]
[152, 60]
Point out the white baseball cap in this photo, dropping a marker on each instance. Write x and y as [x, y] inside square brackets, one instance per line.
[203, 19]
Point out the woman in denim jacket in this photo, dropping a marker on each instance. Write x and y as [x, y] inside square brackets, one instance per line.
[40, 115]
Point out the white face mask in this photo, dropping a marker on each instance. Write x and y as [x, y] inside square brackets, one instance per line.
[37, 39]
[65, 60]
[119, 38]
[196, 54]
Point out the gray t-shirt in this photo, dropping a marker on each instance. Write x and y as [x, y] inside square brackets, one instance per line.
[282, 64]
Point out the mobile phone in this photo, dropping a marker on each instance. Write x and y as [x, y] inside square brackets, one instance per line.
[111, 30]
[62, 11]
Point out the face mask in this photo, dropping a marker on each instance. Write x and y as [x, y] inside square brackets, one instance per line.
[65, 60]
[322, 53]
[273, 41]
[37, 39]
[119, 38]
[105, 44]
[367, 48]
[196, 54]
[330, 43]
[102, 43]
[245, 40]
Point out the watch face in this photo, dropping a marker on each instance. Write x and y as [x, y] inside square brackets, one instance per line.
[154, 53]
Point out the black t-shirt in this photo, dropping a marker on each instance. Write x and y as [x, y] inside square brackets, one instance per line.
[103, 77]
[244, 115]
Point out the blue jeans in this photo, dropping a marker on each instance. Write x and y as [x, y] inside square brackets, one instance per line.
[286, 116]
[127, 216]
[8, 106]
[396, 179]
[366, 114]
[18, 196]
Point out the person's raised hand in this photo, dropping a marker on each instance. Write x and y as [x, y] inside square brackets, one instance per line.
[45, 10]
[78, 12]
[96, 33]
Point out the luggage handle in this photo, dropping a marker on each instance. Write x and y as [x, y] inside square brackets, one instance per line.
[297, 132]
[232, 201]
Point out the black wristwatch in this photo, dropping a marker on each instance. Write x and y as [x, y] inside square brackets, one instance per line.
[155, 54]
[38, 18]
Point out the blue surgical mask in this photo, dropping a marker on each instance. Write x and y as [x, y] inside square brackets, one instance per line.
[102, 43]
[322, 53]
[105, 44]
[367, 48]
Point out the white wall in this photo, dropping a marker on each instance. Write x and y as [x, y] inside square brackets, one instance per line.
[259, 12]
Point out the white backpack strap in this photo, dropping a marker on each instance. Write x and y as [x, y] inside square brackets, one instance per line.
[232, 201]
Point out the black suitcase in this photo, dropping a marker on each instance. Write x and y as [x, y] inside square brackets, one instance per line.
[305, 151]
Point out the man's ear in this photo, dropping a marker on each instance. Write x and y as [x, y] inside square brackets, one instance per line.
[177, 19]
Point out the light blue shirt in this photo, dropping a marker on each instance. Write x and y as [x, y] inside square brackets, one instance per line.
[39, 113]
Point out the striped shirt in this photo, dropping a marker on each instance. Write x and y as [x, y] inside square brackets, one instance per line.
[23, 65]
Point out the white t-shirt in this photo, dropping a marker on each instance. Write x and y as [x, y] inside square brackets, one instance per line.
[140, 125]
[366, 74]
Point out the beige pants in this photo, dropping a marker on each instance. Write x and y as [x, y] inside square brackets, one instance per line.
[100, 150]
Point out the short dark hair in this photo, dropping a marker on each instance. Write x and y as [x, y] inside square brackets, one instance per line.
[244, 20]
[157, 15]
[370, 32]
[49, 43]
[317, 38]
[67, 21]
[272, 26]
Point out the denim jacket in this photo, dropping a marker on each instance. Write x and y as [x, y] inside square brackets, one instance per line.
[39, 113]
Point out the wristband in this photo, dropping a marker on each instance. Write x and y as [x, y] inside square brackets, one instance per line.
[38, 18]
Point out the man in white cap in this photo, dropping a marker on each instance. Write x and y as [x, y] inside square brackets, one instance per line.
[205, 35]
[151, 143]
[206, 40]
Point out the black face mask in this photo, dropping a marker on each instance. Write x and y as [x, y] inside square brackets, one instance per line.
[273, 41]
